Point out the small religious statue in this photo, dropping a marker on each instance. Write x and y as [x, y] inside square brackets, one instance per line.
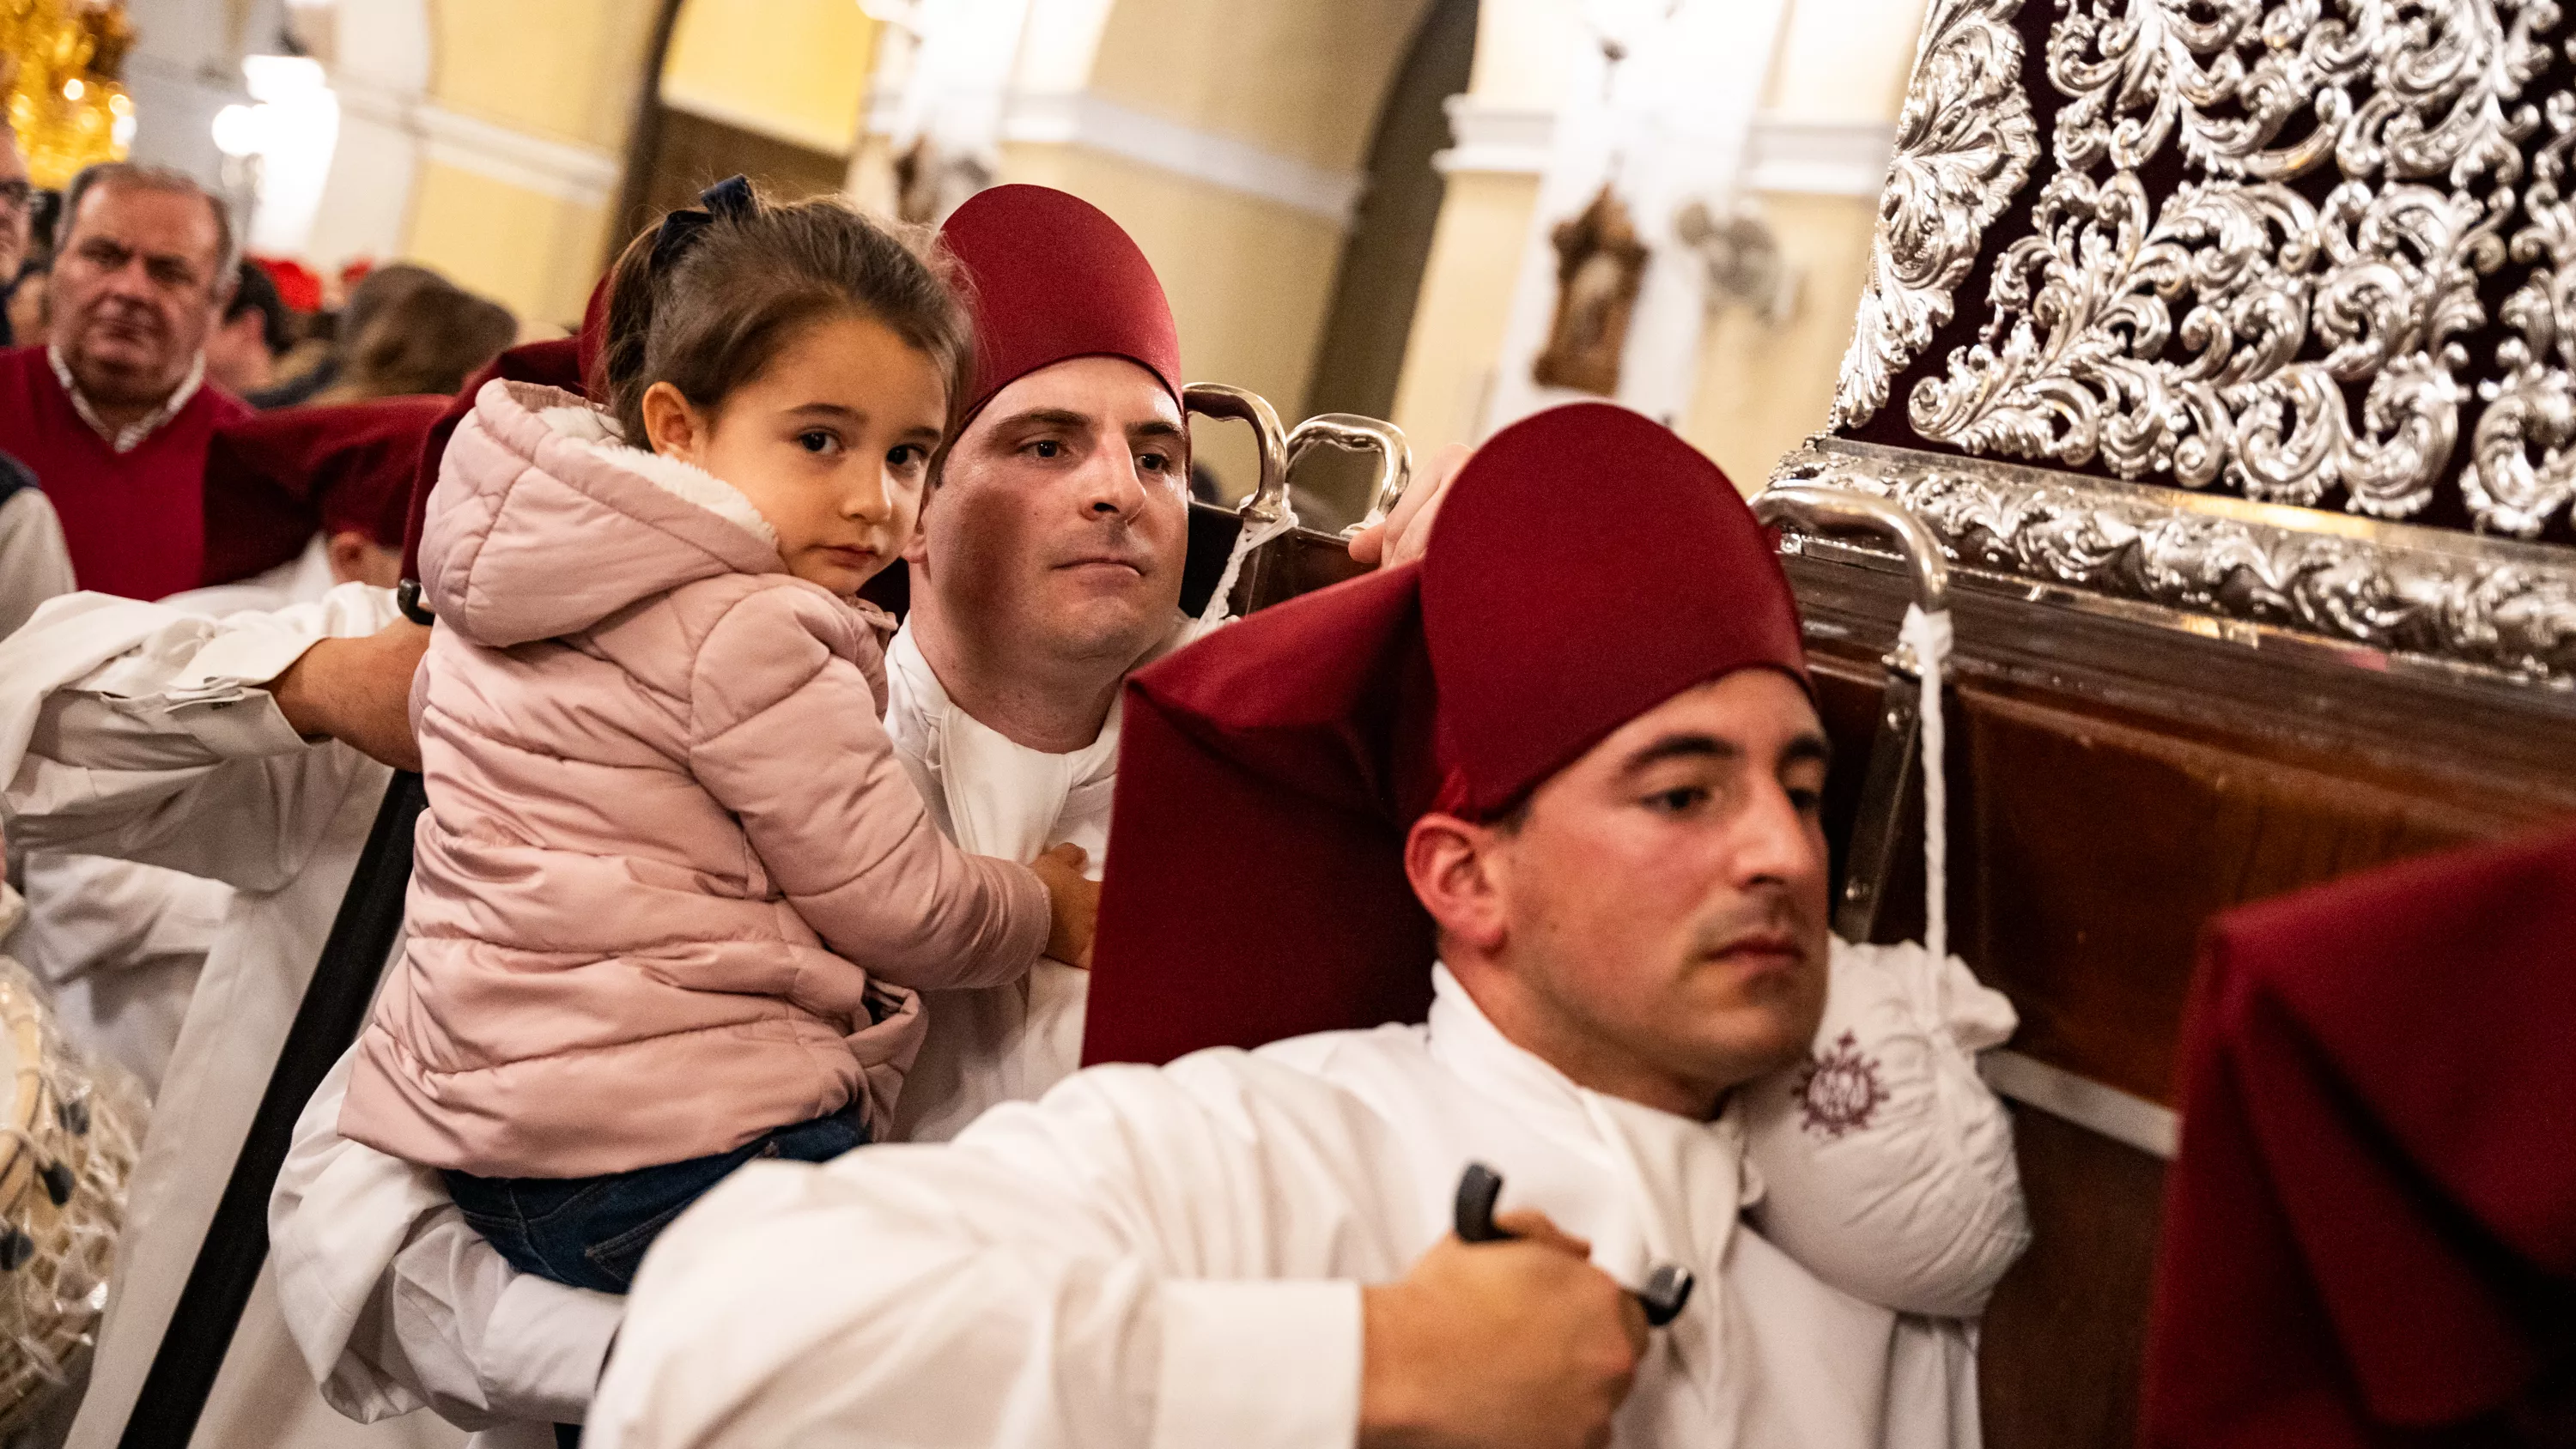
[931, 181]
[1599, 266]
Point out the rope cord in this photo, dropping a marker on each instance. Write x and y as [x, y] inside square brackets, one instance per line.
[1928, 637]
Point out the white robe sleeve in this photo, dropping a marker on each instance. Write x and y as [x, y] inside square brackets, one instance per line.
[396, 1304]
[35, 564]
[1886, 1163]
[1167, 1259]
[126, 727]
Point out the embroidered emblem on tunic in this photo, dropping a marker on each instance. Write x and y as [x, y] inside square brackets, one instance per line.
[1840, 1090]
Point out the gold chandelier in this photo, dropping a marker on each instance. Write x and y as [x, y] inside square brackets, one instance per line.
[59, 63]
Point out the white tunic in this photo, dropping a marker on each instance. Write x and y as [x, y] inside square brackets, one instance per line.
[1173, 1258]
[139, 731]
[120, 944]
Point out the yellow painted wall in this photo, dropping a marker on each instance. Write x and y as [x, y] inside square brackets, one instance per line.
[535, 254]
[1299, 78]
[1466, 293]
[1763, 386]
[793, 69]
[568, 69]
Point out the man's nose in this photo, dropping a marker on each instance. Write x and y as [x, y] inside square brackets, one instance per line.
[1773, 841]
[130, 280]
[1109, 485]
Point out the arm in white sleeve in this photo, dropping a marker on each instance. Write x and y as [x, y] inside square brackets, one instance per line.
[142, 732]
[1886, 1163]
[1151, 1258]
[398, 1305]
[35, 565]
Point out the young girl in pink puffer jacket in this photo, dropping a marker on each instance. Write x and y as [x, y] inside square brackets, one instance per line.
[674, 892]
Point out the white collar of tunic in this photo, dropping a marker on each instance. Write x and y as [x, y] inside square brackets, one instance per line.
[131, 436]
[1001, 797]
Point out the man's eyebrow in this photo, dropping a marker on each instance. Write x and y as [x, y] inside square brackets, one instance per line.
[1157, 428]
[1044, 418]
[1808, 746]
[1681, 747]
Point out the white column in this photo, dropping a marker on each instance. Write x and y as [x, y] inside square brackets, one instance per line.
[1673, 120]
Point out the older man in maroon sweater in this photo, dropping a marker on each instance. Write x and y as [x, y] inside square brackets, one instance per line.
[114, 417]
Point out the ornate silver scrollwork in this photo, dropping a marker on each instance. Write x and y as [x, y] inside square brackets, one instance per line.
[2212, 337]
[1964, 146]
[2494, 604]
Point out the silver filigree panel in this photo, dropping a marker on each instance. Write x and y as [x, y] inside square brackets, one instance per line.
[2299, 318]
[2509, 607]
[1964, 147]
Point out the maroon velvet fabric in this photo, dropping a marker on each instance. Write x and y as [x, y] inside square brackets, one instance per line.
[2370, 1230]
[1255, 884]
[1050, 277]
[136, 523]
[1587, 566]
[332, 467]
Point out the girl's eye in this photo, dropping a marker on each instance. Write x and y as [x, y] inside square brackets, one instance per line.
[1808, 802]
[906, 455]
[1680, 800]
[818, 441]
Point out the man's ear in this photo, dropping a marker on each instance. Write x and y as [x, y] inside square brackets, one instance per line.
[1454, 867]
[671, 427]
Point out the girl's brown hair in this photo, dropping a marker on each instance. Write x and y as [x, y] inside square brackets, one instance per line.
[707, 299]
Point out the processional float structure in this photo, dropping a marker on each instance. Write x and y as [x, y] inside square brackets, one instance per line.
[1240, 559]
[2228, 352]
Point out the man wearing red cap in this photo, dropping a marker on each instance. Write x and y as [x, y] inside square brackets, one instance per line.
[1600, 819]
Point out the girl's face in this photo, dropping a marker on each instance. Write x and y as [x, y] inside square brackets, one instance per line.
[831, 442]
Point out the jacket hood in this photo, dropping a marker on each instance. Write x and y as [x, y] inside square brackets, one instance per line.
[544, 523]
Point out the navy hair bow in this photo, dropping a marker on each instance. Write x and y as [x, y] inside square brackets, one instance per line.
[730, 199]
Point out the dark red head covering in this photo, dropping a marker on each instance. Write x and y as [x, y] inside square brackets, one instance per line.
[2370, 1227]
[274, 479]
[570, 363]
[1050, 277]
[1588, 566]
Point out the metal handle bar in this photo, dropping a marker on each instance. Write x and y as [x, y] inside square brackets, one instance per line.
[1268, 503]
[1818, 508]
[1353, 433]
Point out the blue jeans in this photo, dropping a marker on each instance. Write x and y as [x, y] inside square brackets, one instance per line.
[591, 1232]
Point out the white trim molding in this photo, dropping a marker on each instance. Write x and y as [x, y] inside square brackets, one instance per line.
[1085, 120]
[1788, 155]
[584, 175]
[2147, 1126]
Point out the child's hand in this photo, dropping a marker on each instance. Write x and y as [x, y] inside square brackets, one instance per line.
[1074, 903]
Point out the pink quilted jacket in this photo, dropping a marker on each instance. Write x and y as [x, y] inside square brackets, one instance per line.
[670, 863]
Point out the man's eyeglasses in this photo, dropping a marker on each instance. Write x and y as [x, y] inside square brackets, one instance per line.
[16, 196]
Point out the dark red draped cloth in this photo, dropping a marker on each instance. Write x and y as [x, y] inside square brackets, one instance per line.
[135, 522]
[2370, 1230]
[275, 478]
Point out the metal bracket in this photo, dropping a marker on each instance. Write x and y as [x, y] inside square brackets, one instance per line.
[1895, 750]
